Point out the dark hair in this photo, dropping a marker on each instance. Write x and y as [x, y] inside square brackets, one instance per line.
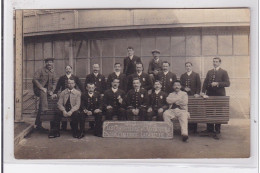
[166, 62]
[90, 83]
[176, 81]
[136, 79]
[218, 58]
[158, 81]
[130, 47]
[117, 63]
[188, 63]
[139, 63]
[67, 66]
[71, 79]
[115, 79]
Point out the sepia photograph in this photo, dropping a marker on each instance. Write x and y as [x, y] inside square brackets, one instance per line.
[132, 83]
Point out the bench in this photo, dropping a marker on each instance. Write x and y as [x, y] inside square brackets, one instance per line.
[214, 109]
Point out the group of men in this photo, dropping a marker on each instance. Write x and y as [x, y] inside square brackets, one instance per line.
[132, 95]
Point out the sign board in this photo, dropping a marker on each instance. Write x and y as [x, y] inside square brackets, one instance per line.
[138, 129]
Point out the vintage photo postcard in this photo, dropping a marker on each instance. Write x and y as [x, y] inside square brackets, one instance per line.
[132, 83]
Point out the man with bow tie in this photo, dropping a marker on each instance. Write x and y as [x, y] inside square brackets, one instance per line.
[144, 78]
[114, 103]
[68, 106]
[214, 85]
[157, 102]
[190, 82]
[155, 65]
[137, 101]
[97, 79]
[130, 62]
[166, 77]
[117, 75]
[91, 104]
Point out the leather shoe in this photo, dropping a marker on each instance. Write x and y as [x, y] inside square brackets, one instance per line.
[216, 136]
[81, 135]
[185, 138]
[41, 129]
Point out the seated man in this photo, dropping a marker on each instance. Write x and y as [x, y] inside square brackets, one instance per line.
[178, 101]
[91, 105]
[137, 102]
[68, 105]
[114, 101]
[157, 102]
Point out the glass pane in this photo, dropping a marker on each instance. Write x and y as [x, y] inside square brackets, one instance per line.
[30, 51]
[240, 44]
[120, 47]
[136, 44]
[209, 45]
[148, 44]
[163, 44]
[108, 48]
[225, 45]
[38, 51]
[30, 69]
[81, 68]
[39, 65]
[59, 50]
[177, 65]
[95, 48]
[80, 49]
[145, 61]
[47, 49]
[60, 67]
[107, 66]
[193, 45]
[178, 46]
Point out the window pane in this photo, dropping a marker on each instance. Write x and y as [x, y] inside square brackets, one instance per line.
[95, 48]
[209, 45]
[30, 69]
[47, 48]
[38, 51]
[60, 67]
[108, 48]
[148, 44]
[225, 44]
[30, 51]
[120, 47]
[107, 66]
[59, 50]
[193, 45]
[81, 68]
[178, 46]
[177, 65]
[80, 49]
[163, 44]
[240, 44]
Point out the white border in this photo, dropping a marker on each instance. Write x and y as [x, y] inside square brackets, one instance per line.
[166, 165]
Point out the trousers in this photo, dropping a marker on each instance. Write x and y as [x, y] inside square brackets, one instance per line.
[43, 106]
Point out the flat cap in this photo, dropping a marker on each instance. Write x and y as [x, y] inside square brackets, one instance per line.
[156, 50]
[48, 59]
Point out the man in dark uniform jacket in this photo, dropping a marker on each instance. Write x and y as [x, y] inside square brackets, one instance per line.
[155, 65]
[190, 82]
[91, 104]
[166, 77]
[130, 61]
[117, 75]
[137, 101]
[114, 101]
[157, 102]
[214, 85]
[63, 84]
[98, 79]
[144, 78]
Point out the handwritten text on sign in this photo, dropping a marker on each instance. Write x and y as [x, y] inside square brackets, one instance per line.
[137, 129]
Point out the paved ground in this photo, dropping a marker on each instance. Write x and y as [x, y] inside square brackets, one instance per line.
[234, 143]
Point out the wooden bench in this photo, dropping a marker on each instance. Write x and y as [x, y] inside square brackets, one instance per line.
[214, 109]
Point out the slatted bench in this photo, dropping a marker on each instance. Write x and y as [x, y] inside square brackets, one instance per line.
[214, 109]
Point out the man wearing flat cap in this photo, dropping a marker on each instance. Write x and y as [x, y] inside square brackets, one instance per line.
[43, 86]
[155, 65]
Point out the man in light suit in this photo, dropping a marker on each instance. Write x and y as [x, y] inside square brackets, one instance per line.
[214, 85]
[130, 62]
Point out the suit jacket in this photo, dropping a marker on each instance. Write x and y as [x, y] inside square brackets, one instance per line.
[91, 103]
[99, 81]
[43, 78]
[192, 81]
[154, 66]
[63, 83]
[145, 80]
[111, 98]
[74, 99]
[220, 76]
[157, 101]
[167, 81]
[122, 78]
[129, 65]
[137, 99]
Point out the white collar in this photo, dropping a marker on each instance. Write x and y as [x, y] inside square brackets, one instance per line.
[165, 73]
[70, 91]
[117, 73]
[114, 90]
[189, 73]
[137, 90]
[217, 68]
[131, 57]
[157, 91]
[139, 74]
[68, 76]
[90, 94]
[95, 74]
[156, 60]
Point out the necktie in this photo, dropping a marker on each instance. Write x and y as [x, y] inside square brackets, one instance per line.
[68, 105]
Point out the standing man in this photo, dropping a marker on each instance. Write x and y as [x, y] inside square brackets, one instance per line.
[63, 84]
[97, 79]
[137, 101]
[117, 75]
[178, 101]
[43, 85]
[157, 102]
[130, 61]
[166, 77]
[155, 65]
[144, 78]
[190, 82]
[214, 85]
[68, 105]
[114, 102]
[91, 104]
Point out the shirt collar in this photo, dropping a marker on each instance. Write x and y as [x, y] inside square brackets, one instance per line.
[68, 76]
[114, 90]
[217, 68]
[90, 94]
[137, 90]
[157, 91]
[117, 73]
[165, 73]
[95, 74]
[139, 74]
[156, 60]
[70, 91]
[131, 57]
[189, 73]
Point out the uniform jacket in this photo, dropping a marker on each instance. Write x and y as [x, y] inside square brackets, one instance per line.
[99, 81]
[157, 101]
[75, 96]
[180, 99]
[137, 99]
[145, 80]
[192, 81]
[111, 98]
[91, 103]
[154, 66]
[129, 65]
[220, 76]
[122, 78]
[167, 81]
[44, 78]
[63, 83]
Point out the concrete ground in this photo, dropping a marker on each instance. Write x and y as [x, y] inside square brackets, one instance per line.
[234, 143]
